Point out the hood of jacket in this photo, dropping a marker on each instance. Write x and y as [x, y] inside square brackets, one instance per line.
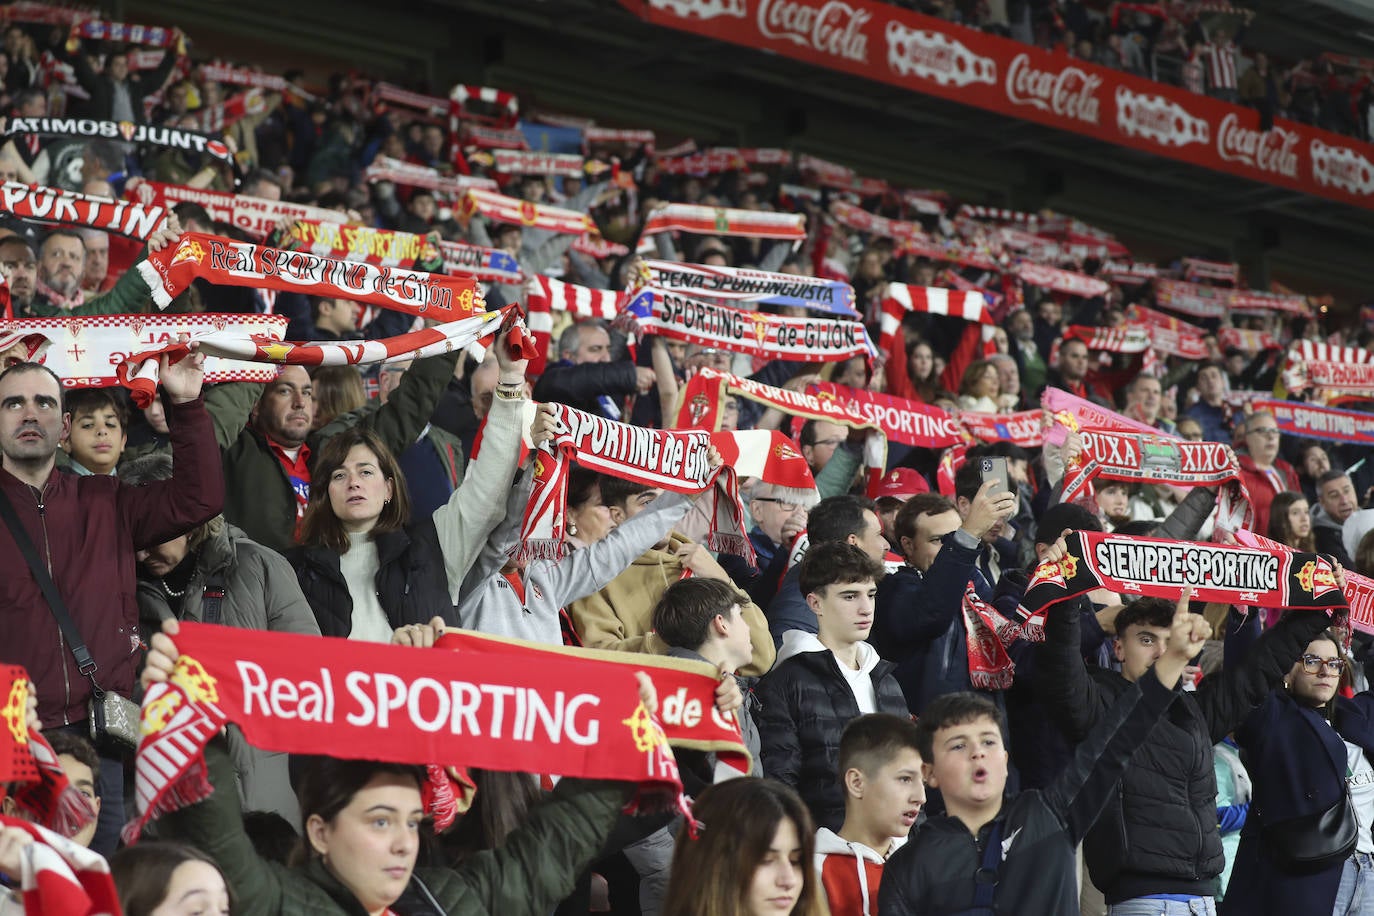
[795, 642]
[830, 843]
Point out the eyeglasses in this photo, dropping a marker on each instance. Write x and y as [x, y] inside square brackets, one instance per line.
[781, 502]
[1271, 432]
[833, 443]
[1313, 664]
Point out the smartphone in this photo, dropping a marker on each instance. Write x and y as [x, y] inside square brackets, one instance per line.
[996, 469]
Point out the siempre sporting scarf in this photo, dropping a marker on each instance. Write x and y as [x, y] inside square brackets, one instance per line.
[680, 317]
[1157, 568]
[518, 212]
[28, 762]
[88, 351]
[1359, 590]
[139, 372]
[60, 878]
[224, 262]
[362, 244]
[901, 420]
[127, 131]
[672, 459]
[1297, 419]
[52, 205]
[830, 296]
[728, 221]
[1137, 458]
[497, 704]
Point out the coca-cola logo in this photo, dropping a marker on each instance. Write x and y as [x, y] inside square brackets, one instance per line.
[702, 9]
[1069, 93]
[937, 57]
[834, 28]
[1269, 151]
[1160, 120]
[1342, 167]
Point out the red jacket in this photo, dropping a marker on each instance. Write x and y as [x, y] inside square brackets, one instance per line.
[91, 527]
[1263, 488]
[850, 873]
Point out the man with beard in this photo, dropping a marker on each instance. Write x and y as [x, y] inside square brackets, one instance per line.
[20, 269]
[56, 290]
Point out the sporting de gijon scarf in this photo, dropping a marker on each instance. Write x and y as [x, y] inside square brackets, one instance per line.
[28, 763]
[1140, 458]
[225, 262]
[901, 420]
[1295, 418]
[672, 459]
[474, 700]
[490, 265]
[54, 206]
[1158, 568]
[1025, 428]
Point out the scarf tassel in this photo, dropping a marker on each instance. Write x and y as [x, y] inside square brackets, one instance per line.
[190, 788]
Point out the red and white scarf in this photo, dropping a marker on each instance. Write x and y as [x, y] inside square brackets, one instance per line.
[545, 295]
[592, 134]
[490, 265]
[28, 763]
[364, 244]
[771, 456]
[726, 221]
[1070, 413]
[139, 372]
[218, 118]
[1130, 272]
[516, 162]
[225, 262]
[60, 878]
[68, 208]
[1192, 299]
[861, 220]
[411, 175]
[1258, 302]
[499, 107]
[418, 706]
[256, 216]
[218, 72]
[1359, 590]
[987, 634]
[899, 299]
[1247, 340]
[484, 137]
[1061, 281]
[706, 162]
[1134, 458]
[761, 334]
[673, 460]
[699, 402]
[901, 420]
[1198, 269]
[1328, 368]
[87, 351]
[524, 213]
[431, 105]
[1127, 339]
[1025, 428]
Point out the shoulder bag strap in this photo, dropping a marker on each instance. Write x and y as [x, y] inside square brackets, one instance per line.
[212, 599]
[84, 662]
[985, 879]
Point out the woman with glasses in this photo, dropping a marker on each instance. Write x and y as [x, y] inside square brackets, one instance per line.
[1265, 474]
[1308, 751]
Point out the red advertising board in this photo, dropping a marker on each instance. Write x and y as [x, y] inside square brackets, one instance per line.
[902, 48]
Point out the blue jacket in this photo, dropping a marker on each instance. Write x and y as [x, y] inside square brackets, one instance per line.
[1297, 766]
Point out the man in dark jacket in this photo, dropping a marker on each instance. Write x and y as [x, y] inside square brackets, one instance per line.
[1159, 834]
[1027, 841]
[586, 378]
[86, 530]
[822, 681]
[267, 468]
[116, 94]
[919, 622]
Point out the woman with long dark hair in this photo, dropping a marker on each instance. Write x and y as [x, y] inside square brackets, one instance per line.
[753, 857]
[1307, 749]
[1290, 522]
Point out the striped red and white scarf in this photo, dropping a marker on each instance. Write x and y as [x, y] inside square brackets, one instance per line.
[1325, 367]
[491, 105]
[30, 768]
[60, 878]
[545, 295]
[726, 221]
[672, 459]
[899, 299]
[411, 175]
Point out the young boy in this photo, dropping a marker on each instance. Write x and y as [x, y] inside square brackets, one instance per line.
[1021, 858]
[823, 681]
[97, 435]
[700, 620]
[880, 772]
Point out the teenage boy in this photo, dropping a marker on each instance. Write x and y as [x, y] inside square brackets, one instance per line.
[97, 436]
[701, 620]
[880, 772]
[824, 680]
[1021, 858]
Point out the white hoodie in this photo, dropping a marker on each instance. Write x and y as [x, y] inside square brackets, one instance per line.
[829, 843]
[795, 642]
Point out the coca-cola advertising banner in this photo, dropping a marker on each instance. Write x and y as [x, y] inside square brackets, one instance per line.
[903, 48]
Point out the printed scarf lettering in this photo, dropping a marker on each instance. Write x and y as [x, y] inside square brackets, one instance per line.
[363, 244]
[830, 296]
[473, 699]
[673, 460]
[1298, 419]
[1157, 568]
[126, 131]
[225, 262]
[1359, 590]
[55, 206]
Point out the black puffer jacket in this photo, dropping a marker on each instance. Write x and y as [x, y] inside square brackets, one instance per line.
[804, 704]
[411, 583]
[1158, 835]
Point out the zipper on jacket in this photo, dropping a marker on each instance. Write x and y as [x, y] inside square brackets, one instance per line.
[61, 640]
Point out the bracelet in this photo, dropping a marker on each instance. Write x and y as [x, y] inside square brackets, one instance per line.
[510, 392]
[519, 380]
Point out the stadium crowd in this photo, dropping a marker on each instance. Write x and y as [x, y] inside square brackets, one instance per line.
[925, 733]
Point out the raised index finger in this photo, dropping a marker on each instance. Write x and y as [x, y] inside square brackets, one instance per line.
[1181, 611]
